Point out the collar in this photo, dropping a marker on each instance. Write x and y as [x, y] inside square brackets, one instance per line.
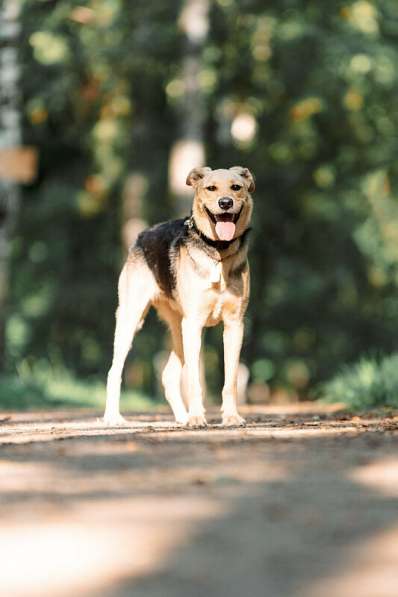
[220, 245]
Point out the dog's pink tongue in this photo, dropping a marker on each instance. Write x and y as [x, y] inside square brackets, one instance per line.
[225, 230]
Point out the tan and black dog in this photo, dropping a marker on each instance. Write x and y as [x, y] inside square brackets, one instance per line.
[194, 271]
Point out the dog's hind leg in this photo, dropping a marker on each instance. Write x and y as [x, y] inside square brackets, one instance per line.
[171, 379]
[136, 289]
[171, 376]
[192, 339]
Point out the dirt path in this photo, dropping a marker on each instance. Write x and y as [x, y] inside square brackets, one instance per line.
[303, 502]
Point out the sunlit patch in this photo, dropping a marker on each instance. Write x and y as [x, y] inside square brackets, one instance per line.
[244, 127]
[17, 476]
[106, 130]
[361, 63]
[175, 88]
[380, 476]
[362, 15]
[194, 20]
[82, 15]
[185, 155]
[92, 548]
[368, 568]
[49, 48]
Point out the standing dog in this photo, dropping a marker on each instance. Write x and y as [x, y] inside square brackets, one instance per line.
[195, 273]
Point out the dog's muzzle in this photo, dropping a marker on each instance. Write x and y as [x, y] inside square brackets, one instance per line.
[225, 223]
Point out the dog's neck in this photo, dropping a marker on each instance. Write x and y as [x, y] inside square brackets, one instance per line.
[219, 245]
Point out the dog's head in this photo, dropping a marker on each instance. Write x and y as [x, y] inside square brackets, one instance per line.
[222, 204]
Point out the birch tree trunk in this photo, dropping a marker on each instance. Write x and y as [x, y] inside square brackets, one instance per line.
[188, 150]
[9, 137]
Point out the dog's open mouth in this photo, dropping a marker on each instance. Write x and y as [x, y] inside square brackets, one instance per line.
[225, 224]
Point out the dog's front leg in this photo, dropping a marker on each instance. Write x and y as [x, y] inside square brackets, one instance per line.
[192, 338]
[233, 337]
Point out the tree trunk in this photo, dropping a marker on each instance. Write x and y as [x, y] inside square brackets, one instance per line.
[188, 150]
[9, 137]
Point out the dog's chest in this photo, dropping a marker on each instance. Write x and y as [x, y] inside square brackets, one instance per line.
[217, 308]
[218, 300]
[208, 288]
[215, 273]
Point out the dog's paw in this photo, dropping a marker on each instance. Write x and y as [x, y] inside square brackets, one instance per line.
[233, 421]
[182, 420]
[197, 421]
[117, 420]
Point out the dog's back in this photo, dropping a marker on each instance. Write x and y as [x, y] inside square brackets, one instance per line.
[158, 246]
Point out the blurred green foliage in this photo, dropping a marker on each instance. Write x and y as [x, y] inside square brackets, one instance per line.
[43, 387]
[302, 92]
[370, 383]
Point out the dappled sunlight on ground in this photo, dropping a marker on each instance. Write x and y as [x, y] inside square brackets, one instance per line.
[300, 503]
[370, 570]
[381, 476]
[81, 551]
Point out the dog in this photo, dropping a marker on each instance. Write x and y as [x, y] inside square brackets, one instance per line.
[195, 272]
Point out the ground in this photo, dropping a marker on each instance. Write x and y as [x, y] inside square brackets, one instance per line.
[303, 502]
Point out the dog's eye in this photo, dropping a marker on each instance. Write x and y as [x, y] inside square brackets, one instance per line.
[211, 188]
[236, 187]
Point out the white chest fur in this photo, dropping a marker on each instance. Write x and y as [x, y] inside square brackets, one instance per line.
[204, 288]
[215, 272]
[217, 307]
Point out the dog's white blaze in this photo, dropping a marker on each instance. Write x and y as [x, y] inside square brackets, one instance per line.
[215, 274]
[218, 307]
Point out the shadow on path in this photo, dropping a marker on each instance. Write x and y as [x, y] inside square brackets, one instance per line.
[239, 514]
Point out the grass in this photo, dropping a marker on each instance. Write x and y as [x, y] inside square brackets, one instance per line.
[46, 388]
[370, 383]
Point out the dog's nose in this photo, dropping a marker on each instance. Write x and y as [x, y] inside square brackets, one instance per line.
[225, 202]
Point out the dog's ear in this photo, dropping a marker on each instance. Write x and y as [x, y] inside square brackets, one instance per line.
[246, 175]
[196, 175]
